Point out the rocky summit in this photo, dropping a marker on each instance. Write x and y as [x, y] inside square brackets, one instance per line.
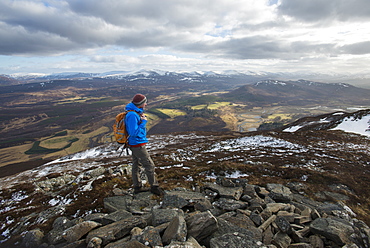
[260, 189]
[228, 213]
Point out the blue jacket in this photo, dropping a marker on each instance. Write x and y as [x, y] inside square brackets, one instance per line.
[136, 127]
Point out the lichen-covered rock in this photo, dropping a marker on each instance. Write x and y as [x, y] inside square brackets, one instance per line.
[33, 239]
[75, 232]
[225, 192]
[201, 225]
[161, 216]
[279, 193]
[176, 230]
[116, 230]
[233, 240]
[335, 230]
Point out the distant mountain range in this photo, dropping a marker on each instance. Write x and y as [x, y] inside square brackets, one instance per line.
[301, 92]
[194, 75]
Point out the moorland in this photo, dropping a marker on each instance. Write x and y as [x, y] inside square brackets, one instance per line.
[52, 118]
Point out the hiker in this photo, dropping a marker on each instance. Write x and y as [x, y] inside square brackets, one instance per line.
[135, 122]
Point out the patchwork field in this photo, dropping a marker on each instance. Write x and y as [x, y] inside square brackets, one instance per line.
[54, 119]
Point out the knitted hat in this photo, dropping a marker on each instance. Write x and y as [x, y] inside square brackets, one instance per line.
[139, 99]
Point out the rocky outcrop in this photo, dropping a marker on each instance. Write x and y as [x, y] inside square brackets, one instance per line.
[230, 213]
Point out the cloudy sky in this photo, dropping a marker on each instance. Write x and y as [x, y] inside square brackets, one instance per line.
[51, 36]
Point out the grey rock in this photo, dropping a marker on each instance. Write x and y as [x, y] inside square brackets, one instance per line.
[201, 225]
[203, 205]
[334, 230]
[279, 193]
[56, 182]
[180, 199]
[50, 214]
[60, 224]
[225, 226]
[77, 244]
[300, 245]
[250, 191]
[176, 230]
[126, 244]
[316, 241]
[95, 172]
[267, 223]
[327, 195]
[33, 238]
[115, 203]
[281, 240]
[276, 207]
[116, 230]
[261, 191]
[115, 216]
[97, 217]
[161, 216]
[142, 203]
[225, 192]
[290, 217]
[283, 224]
[267, 236]
[230, 204]
[233, 240]
[150, 237]
[246, 223]
[231, 182]
[256, 218]
[328, 208]
[75, 232]
[256, 205]
[190, 243]
[94, 242]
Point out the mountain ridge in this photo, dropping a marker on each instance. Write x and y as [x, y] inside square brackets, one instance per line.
[325, 165]
[118, 74]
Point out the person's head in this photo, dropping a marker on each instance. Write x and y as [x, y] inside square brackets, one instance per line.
[139, 100]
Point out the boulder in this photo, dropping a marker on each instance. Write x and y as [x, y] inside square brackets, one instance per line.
[180, 199]
[150, 237]
[337, 231]
[176, 230]
[161, 216]
[230, 204]
[201, 225]
[116, 230]
[279, 193]
[225, 192]
[33, 239]
[76, 232]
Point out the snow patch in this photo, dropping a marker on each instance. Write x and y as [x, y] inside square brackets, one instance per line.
[353, 125]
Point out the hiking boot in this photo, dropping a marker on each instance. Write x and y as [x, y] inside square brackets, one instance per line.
[157, 190]
[138, 190]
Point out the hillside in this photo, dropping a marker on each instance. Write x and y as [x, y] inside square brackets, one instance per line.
[318, 166]
[300, 92]
[46, 117]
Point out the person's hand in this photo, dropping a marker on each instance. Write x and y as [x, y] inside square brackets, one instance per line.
[143, 117]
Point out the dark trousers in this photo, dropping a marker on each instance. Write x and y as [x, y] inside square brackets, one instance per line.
[141, 157]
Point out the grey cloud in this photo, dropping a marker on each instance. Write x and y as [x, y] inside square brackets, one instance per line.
[146, 14]
[356, 48]
[91, 24]
[260, 47]
[77, 25]
[318, 10]
[17, 40]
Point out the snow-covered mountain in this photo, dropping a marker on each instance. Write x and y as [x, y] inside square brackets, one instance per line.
[358, 122]
[143, 72]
